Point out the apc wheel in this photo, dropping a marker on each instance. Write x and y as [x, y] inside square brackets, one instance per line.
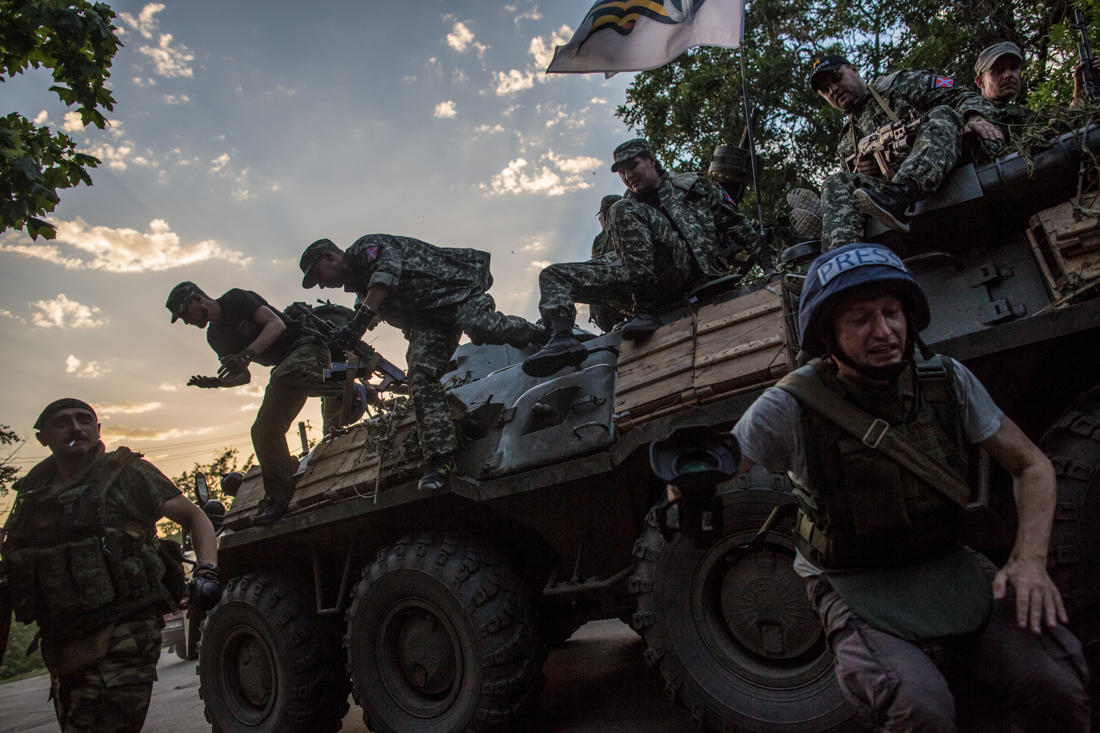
[441, 638]
[1073, 445]
[735, 637]
[267, 664]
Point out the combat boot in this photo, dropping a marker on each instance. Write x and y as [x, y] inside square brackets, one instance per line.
[273, 511]
[886, 205]
[643, 324]
[435, 478]
[562, 350]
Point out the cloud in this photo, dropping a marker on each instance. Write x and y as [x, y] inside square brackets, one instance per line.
[60, 312]
[144, 22]
[176, 98]
[597, 100]
[219, 163]
[510, 82]
[538, 264]
[553, 175]
[542, 52]
[122, 250]
[492, 129]
[445, 110]
[122, 156]
[83, 369]
[532, 14]
[168, 387]
[125, 408]
[461, 39]
[144, 81]
[116, 433]
[458, 77]
[72, 122]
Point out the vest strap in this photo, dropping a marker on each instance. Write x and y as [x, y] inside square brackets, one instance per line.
[876, 434]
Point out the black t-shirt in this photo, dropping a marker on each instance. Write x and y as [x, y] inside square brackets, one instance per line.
[235, 329]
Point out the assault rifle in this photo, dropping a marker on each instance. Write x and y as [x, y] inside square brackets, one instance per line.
[889, 145]
[370, 361]
[1085, 50]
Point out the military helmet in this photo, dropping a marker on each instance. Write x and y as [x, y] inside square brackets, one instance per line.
[841, 271]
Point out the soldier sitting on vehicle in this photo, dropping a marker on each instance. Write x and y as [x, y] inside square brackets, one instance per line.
[242, 328]
[607, 316]
[668, 232]
[916, 117]
[881, 510]
[433, 294]
[81, 559]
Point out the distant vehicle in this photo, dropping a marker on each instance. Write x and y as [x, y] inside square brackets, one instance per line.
[437, 609]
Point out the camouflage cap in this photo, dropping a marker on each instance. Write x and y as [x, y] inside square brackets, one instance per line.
[628, 150]
[179, 298]
[607, 201]
[826, 62]
[310, 256]
[990, 54]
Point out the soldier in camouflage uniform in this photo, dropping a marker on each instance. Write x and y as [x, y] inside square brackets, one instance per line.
[848, 197]
[997, 76]
[433, 294]
[81, 559]
[242, 328]
[669, 233]
[607, 315]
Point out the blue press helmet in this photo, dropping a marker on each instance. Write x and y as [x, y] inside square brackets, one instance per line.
[838, 272]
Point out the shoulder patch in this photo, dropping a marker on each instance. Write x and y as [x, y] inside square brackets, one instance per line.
[370, 254]
[940, 82]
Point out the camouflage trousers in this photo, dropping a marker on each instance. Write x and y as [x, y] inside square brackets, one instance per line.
[654, 265]
[111, 694]
[934, 153]
[433, 337]
[292, 382]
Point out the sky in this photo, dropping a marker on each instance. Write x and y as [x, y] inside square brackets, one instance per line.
[242, 131]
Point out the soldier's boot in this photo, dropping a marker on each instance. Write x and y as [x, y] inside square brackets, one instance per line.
[435, 478]
[275, 508]
[886, 205]
[562, 350]
[643, 324]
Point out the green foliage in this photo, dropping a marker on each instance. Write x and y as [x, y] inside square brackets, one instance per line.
[10, 443]
[691, 105]
[16, 662]
[77, 42]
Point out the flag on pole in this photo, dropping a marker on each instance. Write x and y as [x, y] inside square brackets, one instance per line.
[634, 35]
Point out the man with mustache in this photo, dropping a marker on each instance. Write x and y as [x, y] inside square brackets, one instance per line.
[670, 234]
[82, 559]
[849, 196]
[998, 79]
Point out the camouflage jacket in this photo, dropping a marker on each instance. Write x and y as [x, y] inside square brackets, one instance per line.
[909, 94]
[601, 246]
[1010, 117]
[707, 219]
[420, 276]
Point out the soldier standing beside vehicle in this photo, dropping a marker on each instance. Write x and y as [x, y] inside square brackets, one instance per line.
[242, 328]
[81, 559]
[878, 538]
[931, 108]
[669, 233]
[433, 294]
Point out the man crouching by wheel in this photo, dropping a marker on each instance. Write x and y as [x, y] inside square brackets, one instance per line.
[878, 439]
[81, 558]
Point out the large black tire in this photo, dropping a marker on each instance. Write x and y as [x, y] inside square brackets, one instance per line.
[441, 638]
[735, 637]
[1073, 445]
[267, 664]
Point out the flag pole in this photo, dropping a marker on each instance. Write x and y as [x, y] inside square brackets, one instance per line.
[748, 129]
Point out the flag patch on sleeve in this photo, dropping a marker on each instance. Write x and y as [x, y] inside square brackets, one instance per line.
[371, 253]
[942, 82]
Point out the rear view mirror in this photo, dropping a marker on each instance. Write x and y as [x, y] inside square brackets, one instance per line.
[202, 491]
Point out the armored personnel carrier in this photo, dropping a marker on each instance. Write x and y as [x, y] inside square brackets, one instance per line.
[437, 609]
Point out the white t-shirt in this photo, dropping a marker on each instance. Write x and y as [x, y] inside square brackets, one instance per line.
[770, 432]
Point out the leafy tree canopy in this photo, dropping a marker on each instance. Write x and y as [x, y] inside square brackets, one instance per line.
[77, 42]
[225, 462]
[10, 443]
[691, 105]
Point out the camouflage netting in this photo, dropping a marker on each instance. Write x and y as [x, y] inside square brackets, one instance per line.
[383, 439]
[1049, 122]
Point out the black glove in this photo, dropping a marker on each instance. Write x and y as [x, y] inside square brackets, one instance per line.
[205, 589]
[348, 336]
[236, 363]
[204, 382]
